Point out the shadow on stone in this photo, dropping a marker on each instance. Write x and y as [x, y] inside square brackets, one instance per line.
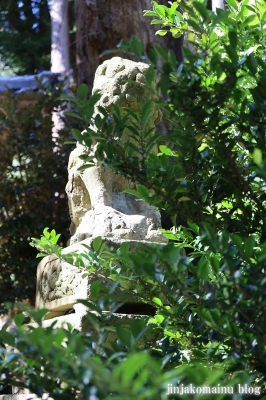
[136, 308]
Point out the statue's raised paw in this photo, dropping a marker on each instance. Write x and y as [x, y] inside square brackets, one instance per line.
[109, 223]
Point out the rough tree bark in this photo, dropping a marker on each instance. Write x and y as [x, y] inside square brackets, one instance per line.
[101, 24]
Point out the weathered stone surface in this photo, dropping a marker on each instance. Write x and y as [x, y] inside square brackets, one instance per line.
[98, 206]
[60, 284]
[110, 222]
[5, 319]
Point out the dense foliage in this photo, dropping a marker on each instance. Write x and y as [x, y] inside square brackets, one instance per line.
[27, 23]
[209, 177]
[32, 187]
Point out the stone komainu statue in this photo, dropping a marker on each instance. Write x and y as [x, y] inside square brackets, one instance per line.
[98, 206]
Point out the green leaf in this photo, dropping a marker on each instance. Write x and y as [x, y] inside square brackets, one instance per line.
[215, 316]
[165, 150]
[148, 13]
[68, 142]
[252, 63]
[136, 45]
[250, 21]
[165, 83]
[143, 191]
[111, 51]
[94, 321]
[203, 314]
[249, 246]
[19, 319]
[231, 53]
[213, 38]
[124, 335]
[161, 32]
[195, 25]
[124, 248]
[76, 134]
[164, 160]
[68, 98]
[172, 59]
[201, 8]
[189, 54]
[159, 318]
[238, 242]
[82, 92]
[130, 191]
[157, 301]
[95, 290]
[156, 21]
[149, 74]
[132, 146]
[173, 7]
[160, 10]
[97, 243]
[46, 233]
[257, 157]
[193, 226]
[133, 364]
[138, 327]
[39, 255]
[7, 338]
[91, 104]
[203, 269]
[233, 39]
[175, 32]
[73, 115]
[152, 142]
[152, 56]
[86, 157]
[170, 235]
[89, 305]
[176, 19]
[232, 4]
[146, 112]
[38, 315]
[86, 166]
[215, 263]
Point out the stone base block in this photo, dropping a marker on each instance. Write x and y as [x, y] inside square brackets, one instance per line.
[60, 284]
[81, 322]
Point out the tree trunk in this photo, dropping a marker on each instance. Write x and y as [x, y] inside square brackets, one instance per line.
[59, 55]
[218, 4]
[60, 42]
[101, 24]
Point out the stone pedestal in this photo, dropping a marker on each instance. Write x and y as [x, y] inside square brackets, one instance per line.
[60, 284]
[81, 322]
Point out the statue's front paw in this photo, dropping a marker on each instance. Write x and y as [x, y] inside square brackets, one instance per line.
[122, 234]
